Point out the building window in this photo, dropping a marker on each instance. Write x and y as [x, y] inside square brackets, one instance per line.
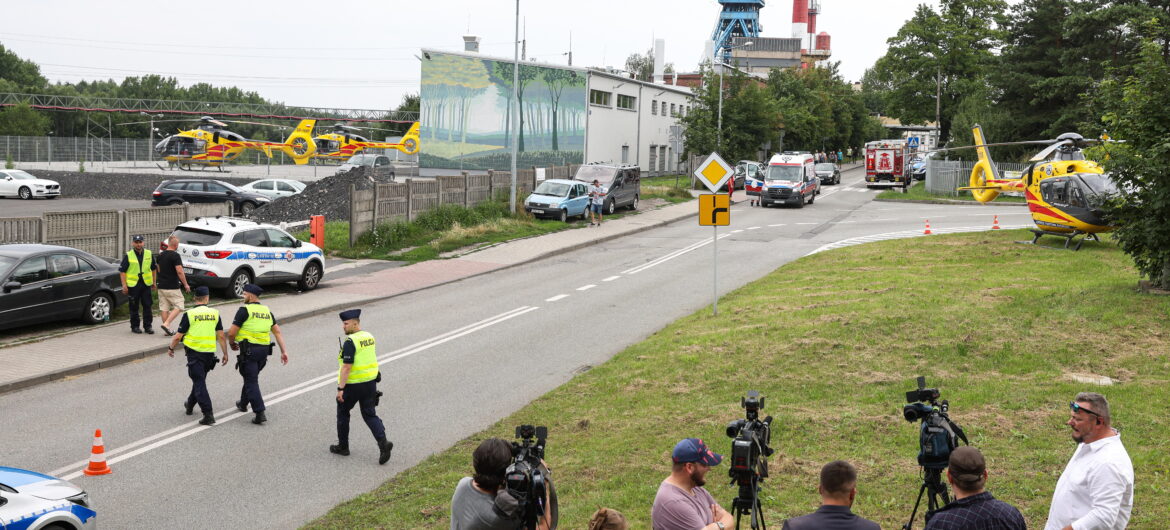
[597, 97]
[653, 157]
[662, 158]
[626, 102]
[672, 112]
[654, 107]
[664, 108]
[625, 154]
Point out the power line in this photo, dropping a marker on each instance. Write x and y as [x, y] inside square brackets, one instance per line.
[224, 76]
[234, 47]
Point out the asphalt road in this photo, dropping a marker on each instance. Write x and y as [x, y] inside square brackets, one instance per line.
[456, 359]
[35, 207]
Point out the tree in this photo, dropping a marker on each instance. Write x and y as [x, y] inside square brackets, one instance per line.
[556, 80]
[23, 120]
[503, 72]
[1135, 111]
[750, 118]
[25, 74]
[642, 65]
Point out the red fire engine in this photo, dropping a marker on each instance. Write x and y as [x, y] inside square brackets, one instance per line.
[885, 161]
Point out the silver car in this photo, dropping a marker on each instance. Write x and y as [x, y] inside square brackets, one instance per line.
[275, 188]
[828, 172]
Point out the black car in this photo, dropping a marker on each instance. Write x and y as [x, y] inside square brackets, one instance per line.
[623, 184]
[171, 192]
[41, 283]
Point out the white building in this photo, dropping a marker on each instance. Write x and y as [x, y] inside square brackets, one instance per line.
[635, 122]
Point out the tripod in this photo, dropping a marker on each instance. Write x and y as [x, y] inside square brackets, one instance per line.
[748, 503]
[933, 485]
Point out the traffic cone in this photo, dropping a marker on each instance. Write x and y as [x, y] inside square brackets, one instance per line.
[97, 457]
[995, 223]
[927, 232]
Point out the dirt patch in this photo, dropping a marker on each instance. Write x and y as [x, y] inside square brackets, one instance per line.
[129, 186]
[328, 196]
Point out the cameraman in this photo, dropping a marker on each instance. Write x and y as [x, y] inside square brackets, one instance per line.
[973, 508]
[681, 502]
[474, 504]
[838, 489]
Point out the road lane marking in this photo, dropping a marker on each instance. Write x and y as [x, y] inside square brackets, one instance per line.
[671, 255]
[776, 225]
[177, 433]
[905, 234]
[736, 231]
[753, 228]
[557, 297]
[587, 287]
[611, 278]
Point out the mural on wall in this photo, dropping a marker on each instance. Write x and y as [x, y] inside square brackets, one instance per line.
[465, 114]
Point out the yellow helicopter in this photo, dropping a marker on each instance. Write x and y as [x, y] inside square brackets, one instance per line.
[343, 142]
[1064, 190]
[211, 144]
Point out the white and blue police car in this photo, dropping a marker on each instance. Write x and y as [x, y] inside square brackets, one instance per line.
[228, 253]
[33, 501]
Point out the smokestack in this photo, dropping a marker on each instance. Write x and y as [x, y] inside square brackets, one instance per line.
[799, 19]
[659, 65]
[471, 43]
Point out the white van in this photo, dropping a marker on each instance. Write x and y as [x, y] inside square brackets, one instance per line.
[790, 178]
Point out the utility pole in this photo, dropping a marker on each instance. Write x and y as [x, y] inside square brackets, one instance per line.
[516, 106]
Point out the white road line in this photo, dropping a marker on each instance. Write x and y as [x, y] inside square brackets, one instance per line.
[907, 234]
[587, 287]
[655, 261]
[736, 231]
[611, 278]
[753, 228]
[798, 224]
[185, 430]
[776, 225]
[555, 298]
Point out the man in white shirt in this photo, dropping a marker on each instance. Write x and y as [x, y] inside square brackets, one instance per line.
[596, 201]
[1095, 492]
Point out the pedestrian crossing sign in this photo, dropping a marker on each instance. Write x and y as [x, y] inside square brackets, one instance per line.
[714, 210]
[713, 172]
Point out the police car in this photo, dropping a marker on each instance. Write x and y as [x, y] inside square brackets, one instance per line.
[228, 253]
[30, 500]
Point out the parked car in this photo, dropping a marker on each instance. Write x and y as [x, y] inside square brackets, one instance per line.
[34, 501]
[828, 172]
[43, 283]
[274, 188]
[918, 168]
[369, 160]
[205, 190]
[228, 253]
[559, 199]
[623, 184]
[17, 183]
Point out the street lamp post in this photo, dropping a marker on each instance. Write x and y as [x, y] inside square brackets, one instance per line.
[719, 125]
[515, 111]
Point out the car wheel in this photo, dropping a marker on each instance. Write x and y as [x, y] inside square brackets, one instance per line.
[174, 202]
[247, 208]
[311, 278]
[564, 216]
[800, 201]
[609, 208]
[235, 288]
[25, 193]
[634, 205]
[813, 197]
[98, 309]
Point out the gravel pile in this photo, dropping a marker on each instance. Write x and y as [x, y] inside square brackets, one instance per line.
[328, 196]
[129, 186]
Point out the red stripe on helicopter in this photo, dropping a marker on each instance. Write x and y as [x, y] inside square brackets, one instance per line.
[1034, 206]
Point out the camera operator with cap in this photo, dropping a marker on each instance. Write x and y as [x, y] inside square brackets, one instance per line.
[682, 503]
[138, 269]
[838, 489]
[252, 326]
[1095, 492]
[357, 380]
[199, 331]
[477, 503]
[973, 508]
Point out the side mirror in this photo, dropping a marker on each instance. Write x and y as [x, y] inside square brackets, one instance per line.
[11, 286]
[297, 243]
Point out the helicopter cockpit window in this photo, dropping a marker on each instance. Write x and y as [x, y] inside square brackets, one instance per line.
[1098, 188]
[1053, 191]
[1076, 197]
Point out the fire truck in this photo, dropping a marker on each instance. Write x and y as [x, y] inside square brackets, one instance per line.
[886, 162]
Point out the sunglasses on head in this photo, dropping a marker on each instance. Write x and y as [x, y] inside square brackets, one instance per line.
[1077, 406]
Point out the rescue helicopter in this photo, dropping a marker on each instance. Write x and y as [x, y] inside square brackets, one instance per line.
[1064, 190]
[343, 142]
[211, 144]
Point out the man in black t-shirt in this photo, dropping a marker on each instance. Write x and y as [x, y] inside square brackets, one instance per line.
[170, 278]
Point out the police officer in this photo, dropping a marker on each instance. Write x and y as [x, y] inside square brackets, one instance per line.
[251, 327]
[199, 331]
[138, 270]
[357, 378]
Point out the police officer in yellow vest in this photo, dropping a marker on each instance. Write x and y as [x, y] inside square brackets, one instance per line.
[138, 269]
[357, 379]
[199, 331]
[253, 326]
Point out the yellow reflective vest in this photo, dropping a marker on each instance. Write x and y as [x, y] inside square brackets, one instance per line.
[255, 329]
[200, 335]
[145, 268]
[365, 360]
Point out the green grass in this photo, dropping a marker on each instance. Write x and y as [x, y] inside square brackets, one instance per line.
[918, 193]
[671, 188]
[999, 327]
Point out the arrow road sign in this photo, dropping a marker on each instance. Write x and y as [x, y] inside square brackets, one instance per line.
[714, 210]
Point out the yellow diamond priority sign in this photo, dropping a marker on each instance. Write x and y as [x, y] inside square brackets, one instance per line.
[713, 172]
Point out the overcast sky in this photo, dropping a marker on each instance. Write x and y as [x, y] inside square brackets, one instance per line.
[362, 54]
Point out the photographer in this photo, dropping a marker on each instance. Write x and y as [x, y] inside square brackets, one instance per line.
[681, 502]
[838, 489]
[474, 504]
[972, 508]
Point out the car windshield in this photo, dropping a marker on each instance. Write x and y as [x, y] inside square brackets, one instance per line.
[556, 189]
[20, 175]
[604, 175]
[361, 160]
[825, 166]
[6, 263]
[197, 236]
[784, 173]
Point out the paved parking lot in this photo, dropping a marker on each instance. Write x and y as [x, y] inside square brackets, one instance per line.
[34, 207]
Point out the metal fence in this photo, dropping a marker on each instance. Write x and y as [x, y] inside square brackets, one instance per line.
[945, 177]
[104, 233]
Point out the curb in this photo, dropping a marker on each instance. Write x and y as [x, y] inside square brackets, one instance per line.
[950, 202]
[159, 350]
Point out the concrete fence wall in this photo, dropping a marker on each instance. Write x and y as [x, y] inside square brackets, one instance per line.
[405, 201]
[104, 233]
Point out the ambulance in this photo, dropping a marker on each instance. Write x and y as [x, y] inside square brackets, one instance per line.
[790, 178]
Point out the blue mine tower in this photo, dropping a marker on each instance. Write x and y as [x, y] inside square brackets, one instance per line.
[739, 18]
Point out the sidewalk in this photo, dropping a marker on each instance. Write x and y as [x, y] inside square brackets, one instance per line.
[30, 364]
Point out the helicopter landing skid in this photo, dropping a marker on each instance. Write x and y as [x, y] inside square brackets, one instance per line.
[1068, 237]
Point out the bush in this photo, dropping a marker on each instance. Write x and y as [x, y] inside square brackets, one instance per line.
[8, 163]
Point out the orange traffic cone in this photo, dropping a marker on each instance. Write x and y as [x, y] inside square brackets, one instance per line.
[97, 457]
[995, 224]
[927, 231]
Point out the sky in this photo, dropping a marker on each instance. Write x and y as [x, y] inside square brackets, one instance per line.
[363, 54]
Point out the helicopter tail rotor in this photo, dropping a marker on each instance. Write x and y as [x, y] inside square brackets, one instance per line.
[300, 146]
[410, 140]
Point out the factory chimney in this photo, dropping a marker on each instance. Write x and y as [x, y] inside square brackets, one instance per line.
[799, 19]
[659, 64]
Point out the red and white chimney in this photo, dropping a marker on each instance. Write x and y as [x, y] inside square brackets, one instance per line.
[799, 19]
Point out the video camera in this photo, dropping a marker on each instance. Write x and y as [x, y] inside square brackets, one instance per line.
[939, 435]
[749, 450]
[528, 479]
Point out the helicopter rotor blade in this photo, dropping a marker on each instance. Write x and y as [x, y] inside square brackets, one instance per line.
[1043, 155]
